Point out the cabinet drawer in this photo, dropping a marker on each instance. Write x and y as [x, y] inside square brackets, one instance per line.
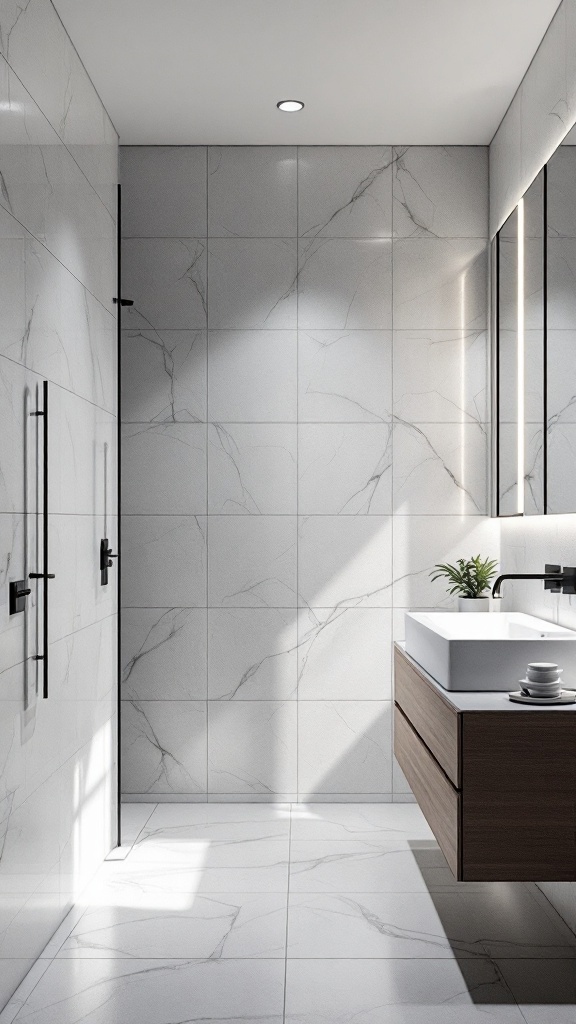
[434, 719]
[438, 799]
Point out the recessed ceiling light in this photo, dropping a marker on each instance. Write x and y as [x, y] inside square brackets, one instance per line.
[290, 105]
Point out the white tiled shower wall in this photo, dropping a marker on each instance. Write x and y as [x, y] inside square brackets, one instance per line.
[304, 436]
[541, 113]
[58, 171]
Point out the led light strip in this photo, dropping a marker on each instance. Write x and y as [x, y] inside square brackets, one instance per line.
[520, 358]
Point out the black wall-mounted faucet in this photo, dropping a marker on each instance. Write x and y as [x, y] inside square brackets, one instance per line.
[555, 578]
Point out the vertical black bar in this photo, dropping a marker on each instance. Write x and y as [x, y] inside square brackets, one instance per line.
[545, 340]
[45, 540]
[496, 376]
[118, 492]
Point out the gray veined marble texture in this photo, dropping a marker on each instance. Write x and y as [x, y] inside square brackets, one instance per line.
[252, 376]
[164, 469]
[440, 191]
[147, 726]
[343, 365]
[344, 376]
[167, 642]
[153, 180]
[163, 376]
[344, 192]
[345, 283]
[252, 654]
[252, 191]
[252, 283]
[166, 279]
[344, 469]
[335, 911]
[252, 468]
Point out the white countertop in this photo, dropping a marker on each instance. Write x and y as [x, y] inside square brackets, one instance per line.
[490, 700]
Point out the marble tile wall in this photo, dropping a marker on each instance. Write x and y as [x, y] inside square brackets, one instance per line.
[540, 115]
[58, 171]
[304, 407]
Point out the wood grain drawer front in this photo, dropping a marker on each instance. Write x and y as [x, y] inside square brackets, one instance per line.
[432, 718]
[438, 799]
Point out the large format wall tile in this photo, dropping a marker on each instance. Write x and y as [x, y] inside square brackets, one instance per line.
[164, 746]
[441, 376]
[62, 89]
[440, 468]
[252, 747]
[47, 192]
[440, 191]
[252, 376]
[164, 469]
[252, 561]
[329, 407]
[252, 191]
[252, 283]
[58, 168]
[167, 644]
[164, 561]
[345, 283]
[163, 191]
[440, 283]
[345, 561]
[344, 747]
[344, 376]
[252, 468]
[344, 191]
[344, 654]
[344, 469]
[163, 376]
[252, 654]
[166, 279]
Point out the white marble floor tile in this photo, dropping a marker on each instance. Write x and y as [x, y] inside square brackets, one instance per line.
[418, 925]
[227, 926]
[219, 821]
[157, 992]
[353, 866]
[363, 822]
[134, 817]
[544, 989]
[197, 865]
[398, 991]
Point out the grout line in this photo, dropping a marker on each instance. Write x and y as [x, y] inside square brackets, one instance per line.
[207, 158]
[287, 911]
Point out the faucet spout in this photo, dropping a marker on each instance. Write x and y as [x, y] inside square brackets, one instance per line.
[558, 577]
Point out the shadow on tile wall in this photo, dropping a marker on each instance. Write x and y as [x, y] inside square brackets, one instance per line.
[304, 413]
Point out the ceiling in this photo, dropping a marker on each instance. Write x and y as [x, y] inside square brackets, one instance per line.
[369, 71]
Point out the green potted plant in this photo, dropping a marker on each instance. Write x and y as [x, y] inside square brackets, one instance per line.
[470, 579]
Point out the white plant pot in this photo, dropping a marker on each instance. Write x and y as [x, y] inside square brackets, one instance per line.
[475, 604]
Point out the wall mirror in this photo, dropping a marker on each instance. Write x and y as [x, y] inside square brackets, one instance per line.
[534, 350]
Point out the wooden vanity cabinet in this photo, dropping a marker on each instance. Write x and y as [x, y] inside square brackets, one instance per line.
[496, 781]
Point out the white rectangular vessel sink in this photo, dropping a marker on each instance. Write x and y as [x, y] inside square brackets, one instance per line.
[466, 651]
